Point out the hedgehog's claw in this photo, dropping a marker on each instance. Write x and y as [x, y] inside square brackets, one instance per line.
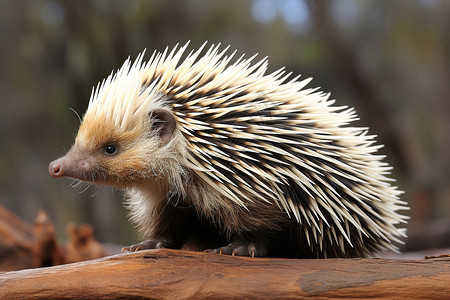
[149, 244]
[241, 248]
[125, 249]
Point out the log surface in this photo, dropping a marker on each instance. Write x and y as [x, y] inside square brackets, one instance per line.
[162, 274]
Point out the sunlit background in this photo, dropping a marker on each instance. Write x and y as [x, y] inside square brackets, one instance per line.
[389, 59]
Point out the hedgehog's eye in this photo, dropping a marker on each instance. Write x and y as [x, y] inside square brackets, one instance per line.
[110, 149]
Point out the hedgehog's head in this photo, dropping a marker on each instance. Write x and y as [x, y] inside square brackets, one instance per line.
[127, 133]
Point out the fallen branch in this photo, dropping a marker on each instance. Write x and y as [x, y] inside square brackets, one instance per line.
[29, 246]
[160, 274]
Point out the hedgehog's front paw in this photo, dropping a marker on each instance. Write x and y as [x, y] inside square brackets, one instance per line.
[241, 248]
[149, 244]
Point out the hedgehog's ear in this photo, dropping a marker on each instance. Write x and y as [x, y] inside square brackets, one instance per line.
[164, 122]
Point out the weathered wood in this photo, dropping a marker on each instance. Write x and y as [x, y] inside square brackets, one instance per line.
[162, 274]
[16, 240]
[25, 246]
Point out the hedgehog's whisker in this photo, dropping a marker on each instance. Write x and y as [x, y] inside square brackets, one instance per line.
[79, 118]
[80, 183]
[88, 185]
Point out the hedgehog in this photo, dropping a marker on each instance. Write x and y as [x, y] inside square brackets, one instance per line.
[215, 154]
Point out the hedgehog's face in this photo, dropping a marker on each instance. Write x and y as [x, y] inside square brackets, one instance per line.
[106, 154]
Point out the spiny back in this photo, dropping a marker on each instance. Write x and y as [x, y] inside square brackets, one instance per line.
[252, 137]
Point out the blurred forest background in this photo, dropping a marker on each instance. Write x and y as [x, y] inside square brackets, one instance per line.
[389, 59]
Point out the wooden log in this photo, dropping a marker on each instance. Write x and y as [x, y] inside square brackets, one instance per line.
[16, 242]
[163, 274]
[25, 246]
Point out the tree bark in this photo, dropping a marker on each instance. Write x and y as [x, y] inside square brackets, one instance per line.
[162, 274]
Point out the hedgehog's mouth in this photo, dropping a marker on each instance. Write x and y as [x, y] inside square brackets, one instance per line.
[90, 177]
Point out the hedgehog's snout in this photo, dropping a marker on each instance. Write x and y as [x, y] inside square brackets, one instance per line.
[68, 166]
